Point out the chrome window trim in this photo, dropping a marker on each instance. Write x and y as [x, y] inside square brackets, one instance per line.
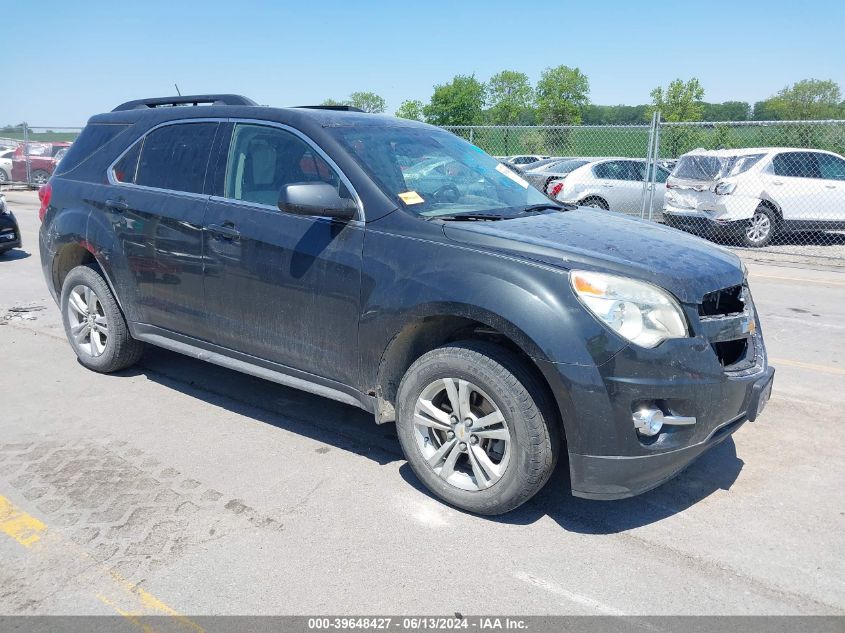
[114, 181]
[361, 219]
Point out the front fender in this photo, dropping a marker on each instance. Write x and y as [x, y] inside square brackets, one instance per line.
[531, 304]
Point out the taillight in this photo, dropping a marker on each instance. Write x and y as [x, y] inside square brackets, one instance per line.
[45, 192]
[555, 189]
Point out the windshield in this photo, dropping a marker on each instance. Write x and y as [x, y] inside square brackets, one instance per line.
[705, 167]
[434, 173]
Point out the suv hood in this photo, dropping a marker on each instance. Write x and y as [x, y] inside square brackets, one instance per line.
[685, 265]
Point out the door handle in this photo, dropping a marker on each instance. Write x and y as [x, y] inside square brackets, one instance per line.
[777, 182]
[830, 186]
[225, 230]
[117, 205]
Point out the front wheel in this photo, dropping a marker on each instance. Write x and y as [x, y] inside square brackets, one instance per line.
[476, 427]
[760, 229]
[94, 324]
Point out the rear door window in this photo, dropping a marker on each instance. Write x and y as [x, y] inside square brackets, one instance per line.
[612, 170]
[796, 165]
[175, 157]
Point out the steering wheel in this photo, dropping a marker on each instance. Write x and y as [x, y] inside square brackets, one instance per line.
[447, 193]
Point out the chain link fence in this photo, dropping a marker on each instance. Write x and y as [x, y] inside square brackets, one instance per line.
[29, 154]
[774, 186]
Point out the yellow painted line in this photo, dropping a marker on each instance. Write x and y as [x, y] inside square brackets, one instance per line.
[123, 596]
[826, 369]
[802, 280]
[22, 527]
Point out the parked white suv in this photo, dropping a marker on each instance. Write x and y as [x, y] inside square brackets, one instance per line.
[756, 193]
[610, 183]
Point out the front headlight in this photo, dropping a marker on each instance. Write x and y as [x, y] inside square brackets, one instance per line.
[638, 311]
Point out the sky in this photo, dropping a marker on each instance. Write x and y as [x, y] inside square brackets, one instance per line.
[74, 59]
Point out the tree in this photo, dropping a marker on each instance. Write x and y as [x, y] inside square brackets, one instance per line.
[764, 111]
[509, 95]
[410, 109]
[808, 99]
[681, 101]
[726, 111]
[562, 92]
[459, 102]
[368, 102]
[333, 102]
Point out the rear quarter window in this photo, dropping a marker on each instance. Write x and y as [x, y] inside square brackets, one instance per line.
[93, 138]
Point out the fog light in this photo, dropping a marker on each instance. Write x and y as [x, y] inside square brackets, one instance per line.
[648, 421]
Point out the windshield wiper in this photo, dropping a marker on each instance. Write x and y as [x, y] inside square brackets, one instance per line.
[470, 215]
[546, 205]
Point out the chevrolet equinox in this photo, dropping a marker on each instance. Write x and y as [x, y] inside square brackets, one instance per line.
[393, 266]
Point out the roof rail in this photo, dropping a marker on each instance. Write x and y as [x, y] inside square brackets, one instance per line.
[157, 102]
[341, 108]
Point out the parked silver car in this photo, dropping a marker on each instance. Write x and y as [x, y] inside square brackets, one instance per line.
[540, 177]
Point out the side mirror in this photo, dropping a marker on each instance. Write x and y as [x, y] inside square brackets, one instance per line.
[316, 198]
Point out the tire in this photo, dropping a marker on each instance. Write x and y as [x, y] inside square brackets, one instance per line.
[595, 202]
[760, 229]
[4, 177]
[39, 177]
[497, 385]
[87, 301]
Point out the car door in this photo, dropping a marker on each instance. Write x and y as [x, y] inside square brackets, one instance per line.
[280, 287]
[832, 171]
[156, 206]
[612, 183]
[794, 183]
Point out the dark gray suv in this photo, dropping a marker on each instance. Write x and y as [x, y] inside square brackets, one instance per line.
[393, 266]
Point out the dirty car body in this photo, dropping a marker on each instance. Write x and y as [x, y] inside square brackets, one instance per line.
[231, 272]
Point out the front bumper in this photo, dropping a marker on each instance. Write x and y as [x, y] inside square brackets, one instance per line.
[604, 477]
[685, 378]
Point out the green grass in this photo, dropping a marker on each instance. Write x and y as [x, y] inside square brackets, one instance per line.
[48, 136]
[633, 141]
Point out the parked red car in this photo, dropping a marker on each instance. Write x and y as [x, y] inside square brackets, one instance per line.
[42, 162]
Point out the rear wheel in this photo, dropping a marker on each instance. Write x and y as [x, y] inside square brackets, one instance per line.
[595, 202]
[39, 177]
[94, 323]
[4, 177]
[476, 427]
[761, 228]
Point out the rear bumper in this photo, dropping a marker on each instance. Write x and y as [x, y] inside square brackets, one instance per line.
[10, 234]
[604, 477]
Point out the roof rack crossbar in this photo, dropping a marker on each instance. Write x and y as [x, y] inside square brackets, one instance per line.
[213, 99]
[341, 108]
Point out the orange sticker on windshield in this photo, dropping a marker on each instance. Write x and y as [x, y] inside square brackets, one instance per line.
[411, 197]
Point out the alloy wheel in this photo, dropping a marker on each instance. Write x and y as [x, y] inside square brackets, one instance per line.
[758, 228]
[462, 434]
[89, 326]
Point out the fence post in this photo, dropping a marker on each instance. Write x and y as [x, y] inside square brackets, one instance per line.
[26, 152]
[471, 136]
[655, 156]
[648, 162]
